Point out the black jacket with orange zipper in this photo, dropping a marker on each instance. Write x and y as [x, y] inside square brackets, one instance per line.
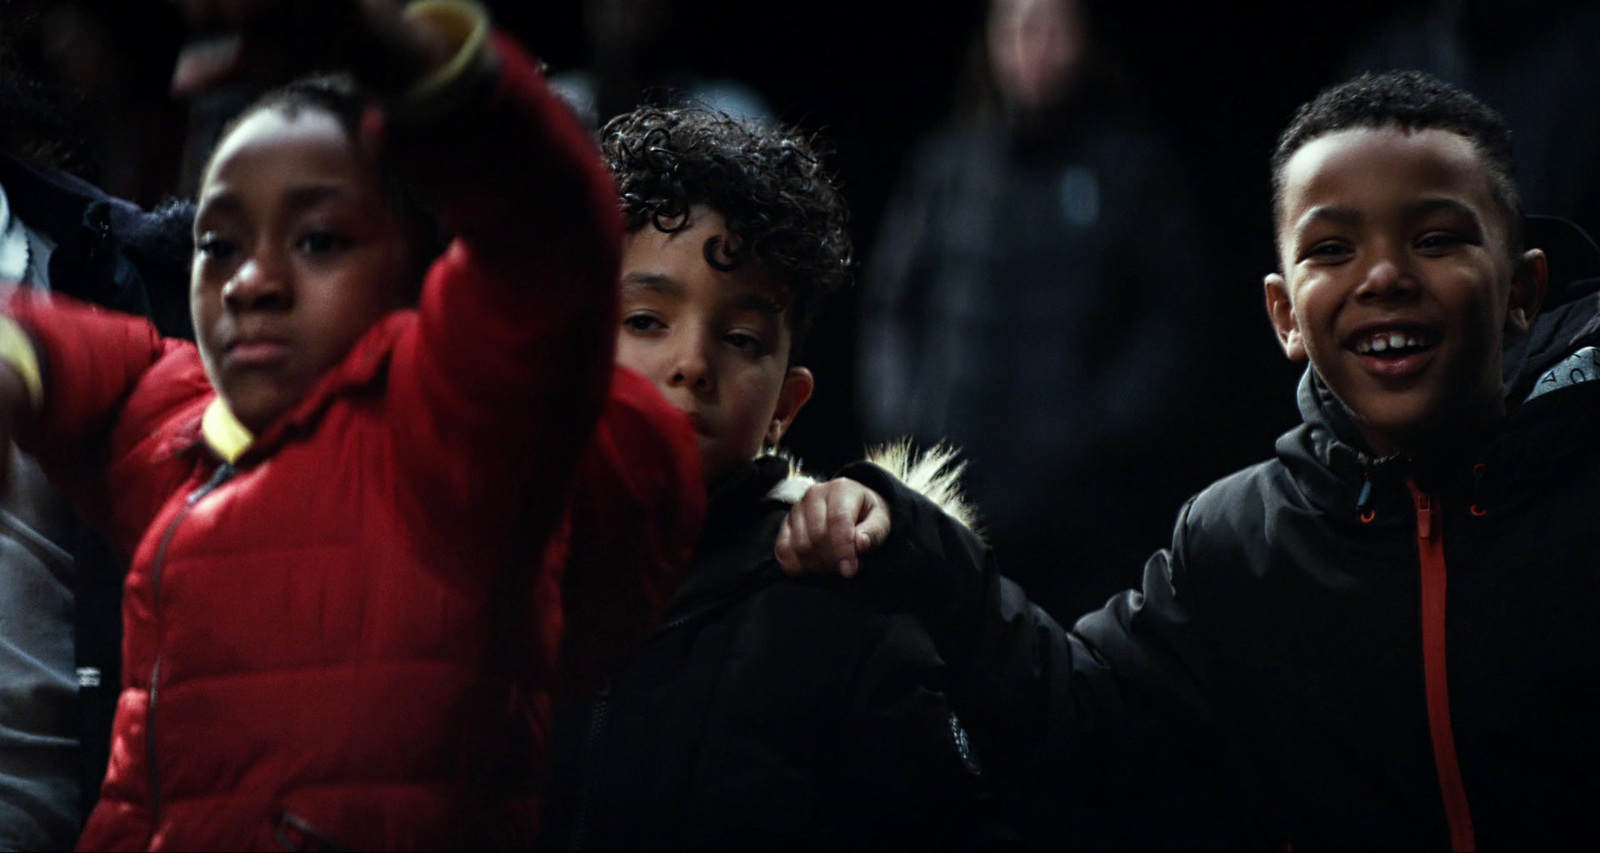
[1337, 651]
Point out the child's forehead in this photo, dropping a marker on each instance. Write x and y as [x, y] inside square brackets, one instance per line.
[696, 257]
[1362, 168]
[308, 138]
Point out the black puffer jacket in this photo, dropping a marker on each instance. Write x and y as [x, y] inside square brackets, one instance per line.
[767, 713]
[1337, 652]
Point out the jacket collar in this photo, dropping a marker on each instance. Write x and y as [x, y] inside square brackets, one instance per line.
[734, 555]
[363, 368]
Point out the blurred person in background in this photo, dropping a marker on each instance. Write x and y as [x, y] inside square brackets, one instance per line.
[60, 637]
[636, 55]
[1033, 299]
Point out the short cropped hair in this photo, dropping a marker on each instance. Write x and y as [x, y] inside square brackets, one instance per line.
[339, 96]
[1412, 100]
[780, 204]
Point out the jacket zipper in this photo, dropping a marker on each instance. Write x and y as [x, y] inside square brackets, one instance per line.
[221, 476]
[1430, 549]
[590, 783]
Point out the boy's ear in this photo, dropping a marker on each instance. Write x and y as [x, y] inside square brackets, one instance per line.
[1283, 320]
[1528, 284]
[797, 388]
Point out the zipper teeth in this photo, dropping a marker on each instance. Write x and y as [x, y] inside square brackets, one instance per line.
[221, 476]
[591, 769]
[1430, 551]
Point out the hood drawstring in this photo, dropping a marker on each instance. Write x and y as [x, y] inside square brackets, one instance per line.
[1364, 500]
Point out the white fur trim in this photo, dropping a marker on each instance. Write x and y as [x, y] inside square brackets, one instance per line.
[793, 487]
[934, 473]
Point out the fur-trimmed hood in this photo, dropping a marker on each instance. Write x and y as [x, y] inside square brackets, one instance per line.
[934, 473]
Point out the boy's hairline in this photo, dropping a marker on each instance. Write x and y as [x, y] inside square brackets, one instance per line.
[1510, 213]
[790, 318]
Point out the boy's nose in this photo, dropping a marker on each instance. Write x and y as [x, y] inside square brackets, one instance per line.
[691, 368]
[1387, 279]
[256, 286]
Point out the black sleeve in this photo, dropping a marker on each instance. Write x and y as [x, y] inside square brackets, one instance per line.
[1102, 735]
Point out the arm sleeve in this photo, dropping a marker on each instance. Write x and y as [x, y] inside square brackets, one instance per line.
[500, 382]
[633, 522]
[89, 361]
[1100, 713]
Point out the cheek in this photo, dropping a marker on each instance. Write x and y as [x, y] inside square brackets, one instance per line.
[640, 358]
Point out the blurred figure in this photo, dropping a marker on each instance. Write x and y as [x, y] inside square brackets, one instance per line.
[636, 56]
[1028, 301]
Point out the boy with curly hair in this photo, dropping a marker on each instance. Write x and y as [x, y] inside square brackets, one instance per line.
[764, 712]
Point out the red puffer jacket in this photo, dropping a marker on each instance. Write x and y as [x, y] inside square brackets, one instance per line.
[327, 639]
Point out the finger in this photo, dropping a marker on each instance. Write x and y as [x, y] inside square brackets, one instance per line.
[800, 540]
[840, 547]
[783, 549]
[873, 529]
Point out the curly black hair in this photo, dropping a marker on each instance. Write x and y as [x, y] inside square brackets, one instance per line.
[1416, 101]
[780, 204]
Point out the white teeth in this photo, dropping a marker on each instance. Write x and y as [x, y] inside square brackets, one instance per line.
[1385, 341]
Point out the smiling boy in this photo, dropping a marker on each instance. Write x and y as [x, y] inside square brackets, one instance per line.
[1385, 636]
[1402, 275]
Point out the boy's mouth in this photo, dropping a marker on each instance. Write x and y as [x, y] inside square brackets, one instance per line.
[1394, 343]
[1395, 351]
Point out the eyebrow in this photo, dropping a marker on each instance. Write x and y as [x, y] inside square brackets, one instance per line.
[1346, 216]
[1430, 206]
[297, 198]
[655, 282]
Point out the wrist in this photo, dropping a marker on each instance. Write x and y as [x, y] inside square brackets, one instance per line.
[22, 379]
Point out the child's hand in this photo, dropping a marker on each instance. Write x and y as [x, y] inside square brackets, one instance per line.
[829, 529]
[271, 41]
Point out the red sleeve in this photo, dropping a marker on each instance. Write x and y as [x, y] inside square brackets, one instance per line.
[501, 381]
[634, 521]
[92, 361]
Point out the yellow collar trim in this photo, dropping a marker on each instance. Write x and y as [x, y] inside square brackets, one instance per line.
[223, 433]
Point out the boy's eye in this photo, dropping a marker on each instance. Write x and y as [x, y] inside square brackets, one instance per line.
[743, 341]
[642, 323]
[1327, 252]
[213, 247]
[1439, 240]
[323, 242]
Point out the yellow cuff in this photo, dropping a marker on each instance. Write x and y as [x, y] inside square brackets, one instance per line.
[16, 349]
[223, 433]
[466, 24]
